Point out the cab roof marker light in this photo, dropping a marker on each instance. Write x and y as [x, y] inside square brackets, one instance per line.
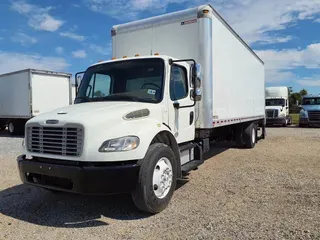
[124, 57]
[113, 58]
[137, 55]
[156, 54]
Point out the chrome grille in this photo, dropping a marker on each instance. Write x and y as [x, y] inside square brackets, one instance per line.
[65, 141]
[314, 116]
[272, 113]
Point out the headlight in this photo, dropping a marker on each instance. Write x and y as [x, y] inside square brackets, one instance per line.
[120, 144]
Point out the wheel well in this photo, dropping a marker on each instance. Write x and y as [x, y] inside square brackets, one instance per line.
[168, 139]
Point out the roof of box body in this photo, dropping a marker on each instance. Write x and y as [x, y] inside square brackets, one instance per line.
[38, 71]
[177, 16]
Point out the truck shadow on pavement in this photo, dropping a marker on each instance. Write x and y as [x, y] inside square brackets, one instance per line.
[5, 133]
[65, 210]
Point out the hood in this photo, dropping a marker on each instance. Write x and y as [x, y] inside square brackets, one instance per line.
[311, 107]
[95, 112]
[280, 108]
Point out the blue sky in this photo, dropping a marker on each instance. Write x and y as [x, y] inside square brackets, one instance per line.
[71, 35]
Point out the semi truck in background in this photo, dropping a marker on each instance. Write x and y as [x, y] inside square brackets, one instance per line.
[27, 93]
[144, 119]
[277, 106]
[310, 111]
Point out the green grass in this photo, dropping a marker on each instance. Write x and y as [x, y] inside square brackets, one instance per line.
[295, 118]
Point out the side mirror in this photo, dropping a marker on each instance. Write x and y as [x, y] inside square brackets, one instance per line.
[197, 77]
[78, 78]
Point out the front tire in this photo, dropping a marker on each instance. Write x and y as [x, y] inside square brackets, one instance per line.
[157, 179]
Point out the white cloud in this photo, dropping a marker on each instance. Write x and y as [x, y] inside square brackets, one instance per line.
[310, 82]
[254, 20]
[279, 76]
[280, 63]
[317, 20]
[292, 58]
[10, 61]
[128, 9]
[1, 38]
[59, 50]
[79, 54]
[23, 39]
[103, 50]
[39, 17]
[73, 36]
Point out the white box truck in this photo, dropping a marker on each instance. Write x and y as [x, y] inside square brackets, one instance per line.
[277, 106]
[143, 120]
[27, 93]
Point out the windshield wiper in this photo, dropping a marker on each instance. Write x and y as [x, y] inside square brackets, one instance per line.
[120, 97]
[85, 98]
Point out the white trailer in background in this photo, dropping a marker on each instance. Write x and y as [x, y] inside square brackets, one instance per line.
[27, 93]
[73, 92]
[144, 119]
[277, 106]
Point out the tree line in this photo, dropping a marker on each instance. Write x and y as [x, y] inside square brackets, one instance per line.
[295, 99]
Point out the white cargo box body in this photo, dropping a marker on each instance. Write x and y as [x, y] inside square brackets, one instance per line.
[277, 92]
[233, 84]
[27, 93]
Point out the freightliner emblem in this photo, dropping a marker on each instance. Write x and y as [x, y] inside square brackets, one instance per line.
[52, 121]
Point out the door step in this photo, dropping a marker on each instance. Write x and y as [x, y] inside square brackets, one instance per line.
[192, 165]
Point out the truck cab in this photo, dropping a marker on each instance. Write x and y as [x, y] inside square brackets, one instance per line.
[126, 123]
[277, 106]
[310, 111]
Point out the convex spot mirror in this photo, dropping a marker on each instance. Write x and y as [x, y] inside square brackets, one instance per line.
[197, 93]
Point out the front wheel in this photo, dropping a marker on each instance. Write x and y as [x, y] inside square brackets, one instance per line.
[157, 179]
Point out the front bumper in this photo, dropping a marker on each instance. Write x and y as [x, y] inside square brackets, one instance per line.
[307, 122]
[82, 178]
[275, 121]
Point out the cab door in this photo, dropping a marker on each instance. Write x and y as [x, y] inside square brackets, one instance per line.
[181, 109]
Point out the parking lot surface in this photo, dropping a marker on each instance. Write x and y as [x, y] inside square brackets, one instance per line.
[269, 192]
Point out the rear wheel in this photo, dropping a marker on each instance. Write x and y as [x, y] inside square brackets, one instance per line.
[157, 179]
[16, 128]
[250, 135]
[12, 128]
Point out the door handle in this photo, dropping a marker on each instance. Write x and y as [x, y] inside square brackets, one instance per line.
[191, 117]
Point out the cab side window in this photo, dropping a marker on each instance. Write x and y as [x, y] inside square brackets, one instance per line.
[178, 83]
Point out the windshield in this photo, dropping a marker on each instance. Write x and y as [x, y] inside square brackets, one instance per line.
[131, 80]
[311, 101]
[275, 102]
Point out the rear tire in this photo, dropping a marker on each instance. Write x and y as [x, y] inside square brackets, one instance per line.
[12, 128]
[155, 167]
[250, 136]
[16, 128]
